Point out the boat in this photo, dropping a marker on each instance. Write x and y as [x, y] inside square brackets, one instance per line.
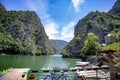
[82, 64]
[1, 75]
[46, 69]
[81, 73]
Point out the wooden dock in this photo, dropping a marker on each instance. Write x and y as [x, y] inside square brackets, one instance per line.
[14, 74]
[100, 74]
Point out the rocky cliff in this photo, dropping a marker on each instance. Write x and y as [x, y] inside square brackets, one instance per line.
[116, 8]
[99, 23]
[26, 27]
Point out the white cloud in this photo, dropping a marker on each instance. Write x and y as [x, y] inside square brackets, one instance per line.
[39, 6]
[51, 29]
[76, 4]
[67, 31]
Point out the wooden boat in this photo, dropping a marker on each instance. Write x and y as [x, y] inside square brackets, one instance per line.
[82, 64]
[73, 69]
[46, 69]
[65, 69]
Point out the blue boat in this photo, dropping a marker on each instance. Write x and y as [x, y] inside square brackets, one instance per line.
[1, 75]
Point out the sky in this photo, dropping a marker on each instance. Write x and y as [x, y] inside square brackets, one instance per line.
[59, 17]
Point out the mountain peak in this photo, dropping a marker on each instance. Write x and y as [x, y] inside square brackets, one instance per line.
[116, 8]
[2, 8]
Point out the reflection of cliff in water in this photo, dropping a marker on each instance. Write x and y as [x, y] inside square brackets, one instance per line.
[56, 60]
[36, 62]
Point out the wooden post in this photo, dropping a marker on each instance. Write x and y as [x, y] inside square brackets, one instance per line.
[96, 73]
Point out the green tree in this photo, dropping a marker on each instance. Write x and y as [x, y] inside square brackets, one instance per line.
[64, 52]
[91, 46]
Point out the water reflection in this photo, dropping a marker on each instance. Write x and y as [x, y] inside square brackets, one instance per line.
[35, 62]
[56, 60]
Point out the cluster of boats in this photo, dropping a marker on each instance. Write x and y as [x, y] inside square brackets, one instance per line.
[80, 70]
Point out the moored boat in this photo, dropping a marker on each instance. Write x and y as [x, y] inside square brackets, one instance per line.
[82, 64]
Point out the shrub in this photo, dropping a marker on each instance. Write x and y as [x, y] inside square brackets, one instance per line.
[56, 69]
[91, 47]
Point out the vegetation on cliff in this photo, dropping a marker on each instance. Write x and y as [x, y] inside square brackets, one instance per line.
[58, 45]
[91, 47]
[99, 23]
[22, 33]
[114, 46]
[9, 45]
[116, 33]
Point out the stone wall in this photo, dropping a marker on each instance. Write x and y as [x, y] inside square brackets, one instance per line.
[109, 39]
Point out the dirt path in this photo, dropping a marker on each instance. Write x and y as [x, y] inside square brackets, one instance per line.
[14, 74]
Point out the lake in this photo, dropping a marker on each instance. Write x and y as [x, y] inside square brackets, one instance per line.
[35, 62]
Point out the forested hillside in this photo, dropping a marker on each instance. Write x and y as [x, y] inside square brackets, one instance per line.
[99, 23]
[22, 32]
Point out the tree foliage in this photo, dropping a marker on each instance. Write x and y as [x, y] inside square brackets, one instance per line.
[8, 44]
[114, 46]
[116, 33]
[91, 46]
[64, 52]
[14, 27]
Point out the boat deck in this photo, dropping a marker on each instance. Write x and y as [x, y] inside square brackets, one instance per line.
[14, 74]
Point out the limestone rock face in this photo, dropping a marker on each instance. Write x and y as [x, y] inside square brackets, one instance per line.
[2, 8]
[99, 23]
[116, 8]
[27, 27]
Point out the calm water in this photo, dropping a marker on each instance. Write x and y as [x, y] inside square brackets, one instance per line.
[35, 62]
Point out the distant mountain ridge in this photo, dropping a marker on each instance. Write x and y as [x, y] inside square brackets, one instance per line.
[58, 45]
[26, 32]
[99, 23]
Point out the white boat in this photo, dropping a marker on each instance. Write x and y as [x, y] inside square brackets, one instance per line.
[81, 73]
[82, 64]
